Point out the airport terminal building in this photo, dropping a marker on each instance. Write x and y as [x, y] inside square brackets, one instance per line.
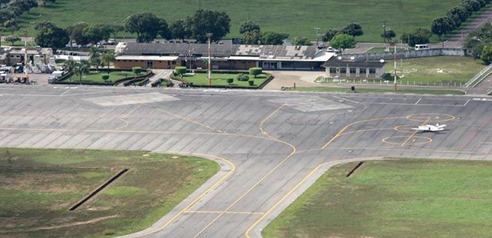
[224, 56]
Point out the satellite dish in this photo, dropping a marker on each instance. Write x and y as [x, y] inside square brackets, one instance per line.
[339, 57]
[381, 60]
[352, 58]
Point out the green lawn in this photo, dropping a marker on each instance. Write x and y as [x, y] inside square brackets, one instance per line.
[96, 77]
[220, 79]
[399, 198]
[434, 70]
[37, 188]
[298, 18]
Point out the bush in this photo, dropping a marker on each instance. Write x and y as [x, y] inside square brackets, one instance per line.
[105, 77]
[255, 71]
[180, 70]
[230, 80]
[251, 82]
[389, 77]
[243, 77]
[137, 70]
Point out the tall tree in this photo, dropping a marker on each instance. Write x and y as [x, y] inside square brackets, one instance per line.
[207, 21]
[95, 57]
[353, 29]
[53, 37]
[248, 26]
[442, 26]
[145, 24]
[252, 37]
[115, 29]
[107, 58]
[76, 33]
[178, 29]
[486, 54]
[273, 38]
[329, 34]
[80, 69]
[342, 41]
[388, 34]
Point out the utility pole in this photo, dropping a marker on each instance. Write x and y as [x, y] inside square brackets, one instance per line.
[384, 34]
[317, 35]
[25, 53]
[394, 66]
[209, 35]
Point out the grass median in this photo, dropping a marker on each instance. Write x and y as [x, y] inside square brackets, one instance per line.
[39, 186]
[394, 198]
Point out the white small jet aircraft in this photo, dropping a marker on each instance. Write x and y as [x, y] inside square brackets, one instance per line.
[430, 128]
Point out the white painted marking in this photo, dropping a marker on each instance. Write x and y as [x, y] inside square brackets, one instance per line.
[130, 99]
[418, 101]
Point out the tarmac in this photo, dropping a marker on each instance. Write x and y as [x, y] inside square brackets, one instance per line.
[271, 145]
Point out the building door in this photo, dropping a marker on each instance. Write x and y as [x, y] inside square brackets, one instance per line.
[150, 64]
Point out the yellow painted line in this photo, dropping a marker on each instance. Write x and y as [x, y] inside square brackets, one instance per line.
[353, 123]
[282, 199]
[187, 119]
[262, 179]
[226, 212]
[123, 118]
[214, 186]
[413, 134]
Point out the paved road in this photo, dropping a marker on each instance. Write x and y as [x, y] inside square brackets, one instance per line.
[271, 144]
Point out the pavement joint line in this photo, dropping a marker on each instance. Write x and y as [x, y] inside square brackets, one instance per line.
[262, 179]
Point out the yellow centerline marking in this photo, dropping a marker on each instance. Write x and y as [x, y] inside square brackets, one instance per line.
[213, 187]
[341, 132]
[413, 134]
[226, 212]
[188, 120]
[262, 179]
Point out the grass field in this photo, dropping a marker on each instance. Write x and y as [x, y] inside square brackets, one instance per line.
[37, 188]
[95, 77]
[298, 18]
[432, 70]
[399, 198]
[220, 79]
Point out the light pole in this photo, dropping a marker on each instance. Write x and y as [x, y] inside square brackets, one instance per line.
[384, 34]
[317, 35]
[394, 66]
[209, 35]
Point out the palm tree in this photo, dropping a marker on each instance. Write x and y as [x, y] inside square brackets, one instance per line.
[95, 57]
[107, 58]
[81, 68]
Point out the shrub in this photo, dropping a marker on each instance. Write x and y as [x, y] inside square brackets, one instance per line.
[137, 70]
[251, 82]
[181, 70]
[105, 77]
[243, 77]
[255, 71]
[230, 80]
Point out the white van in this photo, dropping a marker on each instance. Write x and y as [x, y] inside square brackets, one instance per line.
[421, 47]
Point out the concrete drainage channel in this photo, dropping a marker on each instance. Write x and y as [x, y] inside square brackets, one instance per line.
[97, 190]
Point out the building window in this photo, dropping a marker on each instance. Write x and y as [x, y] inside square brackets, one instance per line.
[362, 70]
[372, 71]
[343, 70]
[352, 70]
[333, 70]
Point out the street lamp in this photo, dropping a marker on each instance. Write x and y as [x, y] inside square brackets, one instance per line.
[209, 35]
[317, 35]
